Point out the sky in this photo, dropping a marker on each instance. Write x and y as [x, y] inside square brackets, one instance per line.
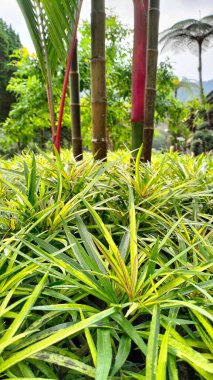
[185, 64]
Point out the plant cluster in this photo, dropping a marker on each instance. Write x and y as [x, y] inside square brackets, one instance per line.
[105, 270]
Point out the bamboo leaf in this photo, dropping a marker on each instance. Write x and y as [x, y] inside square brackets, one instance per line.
[129, 329]
[162, 357]
[151, 358]
[172, 368]
[23, 313]
[122, 354]
[194, 358]
[133, 243]
[89, 244]
[104, 354]
[32, 182]
[122, 270]
[152, 260]
[65, 361]
[54, 338]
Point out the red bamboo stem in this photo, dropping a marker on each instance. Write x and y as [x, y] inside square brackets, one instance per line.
[51, 112]
[66, 79]
[139, 60]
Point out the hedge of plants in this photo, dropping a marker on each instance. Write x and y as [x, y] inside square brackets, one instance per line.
[106, 268]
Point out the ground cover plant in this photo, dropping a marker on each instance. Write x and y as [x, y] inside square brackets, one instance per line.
[106, 268]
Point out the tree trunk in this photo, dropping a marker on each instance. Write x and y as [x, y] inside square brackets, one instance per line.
[50, 100]
[75, 107]
[139, 73]
[200, 73]
[152, 57]
[98, 79]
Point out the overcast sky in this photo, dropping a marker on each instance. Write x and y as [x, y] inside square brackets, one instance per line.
[185, 64]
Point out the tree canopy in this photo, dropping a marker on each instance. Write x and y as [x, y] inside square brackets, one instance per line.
[9, 41]
[195, 35]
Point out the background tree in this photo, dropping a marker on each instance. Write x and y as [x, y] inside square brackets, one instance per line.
[195, 35]
[202, 141]
[9, 41]
[28, 119]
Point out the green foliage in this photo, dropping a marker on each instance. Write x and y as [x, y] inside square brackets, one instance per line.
[9, 41]
[105, 270]
[30, 113]
[169, 109]
[29, 117]
[202, 139]
[164, 90]
[28, 121]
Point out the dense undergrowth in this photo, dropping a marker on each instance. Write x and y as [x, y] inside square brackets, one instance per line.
[105, 269]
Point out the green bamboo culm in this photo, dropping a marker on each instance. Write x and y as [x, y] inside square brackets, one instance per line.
[98, 80]
[75, 107]
[150, 94]
[137, 137]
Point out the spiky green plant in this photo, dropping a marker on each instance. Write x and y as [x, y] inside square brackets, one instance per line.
[119, 282]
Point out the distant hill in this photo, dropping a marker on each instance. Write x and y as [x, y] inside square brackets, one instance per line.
[185, 95]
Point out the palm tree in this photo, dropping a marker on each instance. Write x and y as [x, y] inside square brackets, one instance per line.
[185, 84]
[52, 25]
[195, 35]
[38, 26]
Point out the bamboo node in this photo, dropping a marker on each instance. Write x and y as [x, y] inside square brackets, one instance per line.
[98, 11]
[155, 50]
[99, 101]
[99, 140]
[98, 59]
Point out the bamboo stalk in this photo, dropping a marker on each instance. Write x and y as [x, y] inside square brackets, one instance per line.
[98, 79]
[150, 94]
[75, 107]
[51, 109]
[66, 79]
[139, 73]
